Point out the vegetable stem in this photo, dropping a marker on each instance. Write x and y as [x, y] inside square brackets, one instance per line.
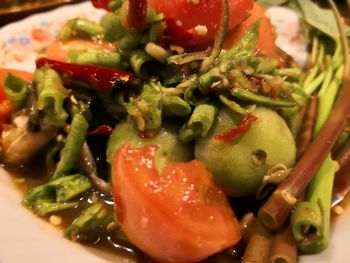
[277, 208]
[283, 248]
[220, 38]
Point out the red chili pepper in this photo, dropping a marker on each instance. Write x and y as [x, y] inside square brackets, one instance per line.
[101, 130]
[137, 13]
[258, 81]
[101, 4]
[242, 128]
[176, 33]
[99, 78]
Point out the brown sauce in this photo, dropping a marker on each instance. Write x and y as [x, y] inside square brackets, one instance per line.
[28, 177]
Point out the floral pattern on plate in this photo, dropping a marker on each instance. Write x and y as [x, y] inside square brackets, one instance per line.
[21, 42]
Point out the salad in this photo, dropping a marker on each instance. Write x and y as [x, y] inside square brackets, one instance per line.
[180, 138]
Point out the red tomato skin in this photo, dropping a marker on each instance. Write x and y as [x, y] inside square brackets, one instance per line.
[179, 216]
[205, 12]
[267, 37]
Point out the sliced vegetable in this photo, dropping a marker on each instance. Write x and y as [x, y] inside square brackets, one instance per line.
[146, 109]
[179, 216]
[51, 95]
[199, 124]
[81, 27]
[54, 196]
[70, 153]
[6, 107]
[16, 90]
[90, 224]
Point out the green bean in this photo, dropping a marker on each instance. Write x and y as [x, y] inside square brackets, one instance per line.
[68, 187]
[153, 17]
[147, 108]
[96, 57]
[234, 106]
[130, 41]
[80, 26]
[138, 58]
[71, 151]
[113, 29]
[199, 124]
[16, 90]
[192, 93]
[175, 106]
[90, 224]
[51, 96]
[208, 79]
[153, 33]
[314, 216]
[54, 196]
[246, 95]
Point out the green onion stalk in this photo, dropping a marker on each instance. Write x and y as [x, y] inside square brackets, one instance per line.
[311, 218]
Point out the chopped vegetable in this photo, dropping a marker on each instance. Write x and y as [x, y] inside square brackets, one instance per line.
[90, 224]
[56, 195]
[71, 151]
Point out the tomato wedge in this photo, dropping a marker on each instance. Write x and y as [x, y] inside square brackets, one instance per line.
[189, 14]
[267, 36]
[5, 105]
[58, 50]
[179, 216]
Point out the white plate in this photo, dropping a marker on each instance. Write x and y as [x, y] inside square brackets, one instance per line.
[26, 238]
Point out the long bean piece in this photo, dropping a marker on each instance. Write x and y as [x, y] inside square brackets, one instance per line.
[70, 153]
